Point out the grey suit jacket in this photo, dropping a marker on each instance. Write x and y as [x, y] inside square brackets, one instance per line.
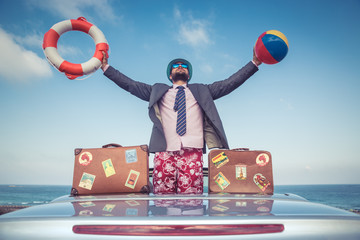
[205, 94]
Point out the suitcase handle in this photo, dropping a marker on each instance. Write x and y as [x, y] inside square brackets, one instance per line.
[111, 145]
[240, 149]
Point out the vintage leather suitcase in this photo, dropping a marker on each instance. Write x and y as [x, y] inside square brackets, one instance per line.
[111, 169]
[240, 171]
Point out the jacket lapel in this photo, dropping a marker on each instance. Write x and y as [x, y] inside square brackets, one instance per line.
[195, 92]
[157, 92]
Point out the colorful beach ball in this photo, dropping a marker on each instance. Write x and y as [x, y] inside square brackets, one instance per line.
[271, 47]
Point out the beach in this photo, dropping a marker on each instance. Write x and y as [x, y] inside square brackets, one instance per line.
[10, 208]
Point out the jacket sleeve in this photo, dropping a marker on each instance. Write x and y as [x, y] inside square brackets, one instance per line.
[221, 88]
[138, 89]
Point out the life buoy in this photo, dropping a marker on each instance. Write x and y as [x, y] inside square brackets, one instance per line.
[73, 70]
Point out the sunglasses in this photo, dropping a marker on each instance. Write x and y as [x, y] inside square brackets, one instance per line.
[176, 65]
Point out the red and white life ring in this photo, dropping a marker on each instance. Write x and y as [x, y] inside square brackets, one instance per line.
[73, 70]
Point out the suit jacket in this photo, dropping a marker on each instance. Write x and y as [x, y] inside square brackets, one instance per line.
[205, 94]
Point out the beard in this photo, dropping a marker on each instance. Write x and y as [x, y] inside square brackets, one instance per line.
[180, 76]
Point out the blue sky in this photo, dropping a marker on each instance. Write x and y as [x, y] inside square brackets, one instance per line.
[304, 110]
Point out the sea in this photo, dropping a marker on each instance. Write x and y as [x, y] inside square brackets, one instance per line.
[341, 196]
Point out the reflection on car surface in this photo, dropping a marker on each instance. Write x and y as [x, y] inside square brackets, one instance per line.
[149, 216]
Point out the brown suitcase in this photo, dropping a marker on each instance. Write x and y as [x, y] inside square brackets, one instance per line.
[111, 169]
[240, 171]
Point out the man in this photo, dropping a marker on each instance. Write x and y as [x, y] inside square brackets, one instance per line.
[185, 118]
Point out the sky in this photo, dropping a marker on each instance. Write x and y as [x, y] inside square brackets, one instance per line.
[304, 110]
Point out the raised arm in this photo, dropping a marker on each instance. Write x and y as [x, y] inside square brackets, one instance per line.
[221, 88]
[138, 89]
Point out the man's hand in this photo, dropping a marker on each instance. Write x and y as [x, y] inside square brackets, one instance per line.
[255, 59]
[104, 60]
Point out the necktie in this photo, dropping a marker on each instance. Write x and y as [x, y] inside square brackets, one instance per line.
[180, 107]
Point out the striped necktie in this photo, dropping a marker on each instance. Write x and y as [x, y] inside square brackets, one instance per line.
[180, 107]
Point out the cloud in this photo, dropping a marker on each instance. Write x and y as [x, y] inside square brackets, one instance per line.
[65, 50]
[206, 68]
[33, 40]
[287, 104]
[71, 9]
[17, 63]
[192, 32]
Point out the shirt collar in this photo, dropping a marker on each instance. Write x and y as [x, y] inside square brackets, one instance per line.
[174, 86]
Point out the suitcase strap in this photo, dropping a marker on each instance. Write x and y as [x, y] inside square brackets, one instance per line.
[240, 149]
[111, 145]
[145, 148]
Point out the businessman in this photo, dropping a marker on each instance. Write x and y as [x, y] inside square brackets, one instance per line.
[185, 121]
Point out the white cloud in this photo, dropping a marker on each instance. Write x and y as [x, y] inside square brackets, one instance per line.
[66, 50]
[192, 32]
[287, 104]
[19, 64]
[177, 14]
[34, 40]
[206, 68]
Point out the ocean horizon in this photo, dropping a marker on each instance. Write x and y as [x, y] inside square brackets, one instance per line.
[344, 196]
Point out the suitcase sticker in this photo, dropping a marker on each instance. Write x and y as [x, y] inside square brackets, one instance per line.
[108, 168]
[240, 171]
[85, 158]
[261, 181]
[87, 181]
[131, 156]
[262, 159]
[220, 160]
[221, 181]
[132, 179]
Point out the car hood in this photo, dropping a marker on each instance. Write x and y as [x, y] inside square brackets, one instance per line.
[155, 206]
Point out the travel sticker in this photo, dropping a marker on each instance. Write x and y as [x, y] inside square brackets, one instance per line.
[85, 158]
[262, 159]
[86, 213]
[132, 203]
[221, 181]
[87, 181]
[220, 208]
[261, 181]
[263, 209]
[109, 207]
[240, 172]
[132, 212]
[87, 204]
[131, 156]
[220, 160]
[132, 179]
[108, 168]
[241, 204]
[260, 202]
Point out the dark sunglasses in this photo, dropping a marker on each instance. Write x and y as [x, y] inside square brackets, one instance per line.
[176, 65]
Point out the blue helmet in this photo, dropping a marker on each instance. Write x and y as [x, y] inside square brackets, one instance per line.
[169, 68]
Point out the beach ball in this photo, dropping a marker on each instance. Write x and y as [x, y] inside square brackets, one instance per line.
[271, 47]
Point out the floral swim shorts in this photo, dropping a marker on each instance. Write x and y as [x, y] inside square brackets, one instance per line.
[178, 171]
